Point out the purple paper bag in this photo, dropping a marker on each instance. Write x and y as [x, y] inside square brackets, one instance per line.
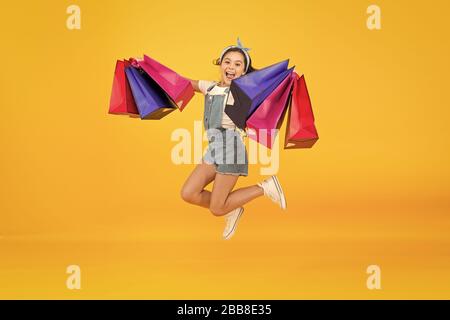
[151, 101]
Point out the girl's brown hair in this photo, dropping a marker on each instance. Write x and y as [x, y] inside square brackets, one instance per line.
[217, 61]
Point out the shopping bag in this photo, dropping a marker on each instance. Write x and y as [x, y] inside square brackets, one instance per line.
[300, 131]
[151, 101]
[264, 123]
[250, 90]
[178, 88]
[121, 100]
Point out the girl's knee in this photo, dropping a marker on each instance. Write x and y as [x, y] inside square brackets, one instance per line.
[187, 195]
[217, 209]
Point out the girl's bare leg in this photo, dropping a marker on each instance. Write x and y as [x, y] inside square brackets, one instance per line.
[193, 189]
[223, 200]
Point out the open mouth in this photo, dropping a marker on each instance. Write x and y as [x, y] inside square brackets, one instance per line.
[229, 75]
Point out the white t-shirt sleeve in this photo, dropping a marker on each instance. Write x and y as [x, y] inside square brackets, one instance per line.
[203, 85]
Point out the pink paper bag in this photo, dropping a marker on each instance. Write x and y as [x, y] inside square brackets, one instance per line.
[264, 123]
[178, 88]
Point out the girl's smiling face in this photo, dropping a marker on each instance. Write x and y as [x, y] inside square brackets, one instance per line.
[232, 66]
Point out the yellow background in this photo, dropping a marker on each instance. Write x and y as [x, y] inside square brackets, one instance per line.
[79, 186]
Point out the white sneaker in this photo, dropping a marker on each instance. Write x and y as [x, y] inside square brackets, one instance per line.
[272, 189]
[232, 219]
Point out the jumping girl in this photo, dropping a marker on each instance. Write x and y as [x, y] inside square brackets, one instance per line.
[226, 157]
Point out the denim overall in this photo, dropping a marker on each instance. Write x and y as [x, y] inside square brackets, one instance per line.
[226, 148]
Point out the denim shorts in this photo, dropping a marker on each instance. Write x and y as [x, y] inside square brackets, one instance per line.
[226, 150]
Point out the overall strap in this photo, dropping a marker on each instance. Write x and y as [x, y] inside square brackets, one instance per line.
[211, 87]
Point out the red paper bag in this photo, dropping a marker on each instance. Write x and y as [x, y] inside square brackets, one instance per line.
[122, 101]
[301, 131]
